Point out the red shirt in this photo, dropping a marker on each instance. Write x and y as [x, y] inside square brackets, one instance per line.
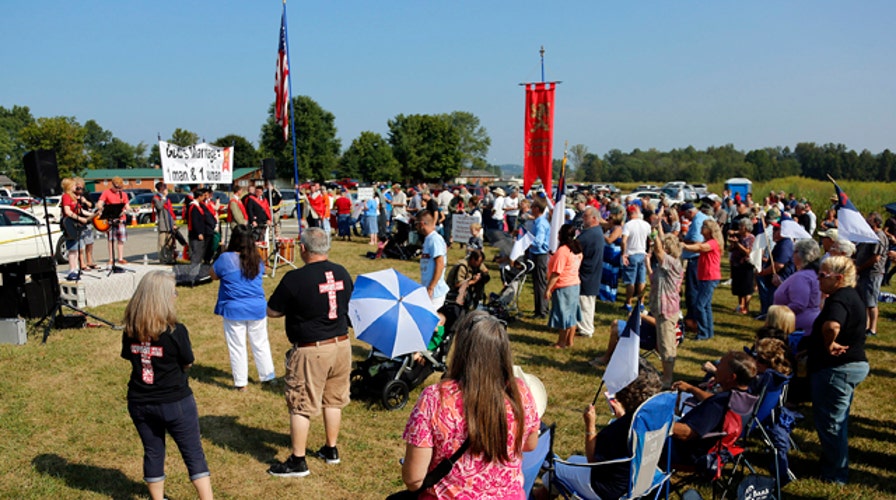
[70, 202]
[709, 264]
[343, 205]
[110, 198]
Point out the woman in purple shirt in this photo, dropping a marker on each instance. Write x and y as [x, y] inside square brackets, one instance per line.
[800, 290]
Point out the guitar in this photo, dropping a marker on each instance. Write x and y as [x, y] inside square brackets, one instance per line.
[72, 229]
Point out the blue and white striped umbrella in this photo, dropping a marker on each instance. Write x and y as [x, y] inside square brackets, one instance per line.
[392, 312]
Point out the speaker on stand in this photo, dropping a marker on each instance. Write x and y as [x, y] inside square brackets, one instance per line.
[269, 169]
[42, 173]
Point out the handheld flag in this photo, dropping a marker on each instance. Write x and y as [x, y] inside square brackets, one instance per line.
[760, 244]
[851, 225]
[623, 365]
[558, 212]
[792, 229]
[281, 80]
[521, 245]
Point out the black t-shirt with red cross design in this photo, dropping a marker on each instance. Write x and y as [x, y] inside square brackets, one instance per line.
[157, 367]
[314, 299]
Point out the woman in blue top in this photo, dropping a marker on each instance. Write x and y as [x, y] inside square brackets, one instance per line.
[242, 303]
[371, 209]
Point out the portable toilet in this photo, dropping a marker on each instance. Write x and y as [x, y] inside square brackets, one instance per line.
[739, 185]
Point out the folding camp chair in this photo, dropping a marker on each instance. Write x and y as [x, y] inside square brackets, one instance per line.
[650, 431]
[766, 419]
[725, 448]
[539, 458]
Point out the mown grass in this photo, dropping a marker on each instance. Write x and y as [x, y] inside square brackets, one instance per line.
[65, 432]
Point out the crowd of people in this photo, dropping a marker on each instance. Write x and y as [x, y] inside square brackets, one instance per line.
[826, 295]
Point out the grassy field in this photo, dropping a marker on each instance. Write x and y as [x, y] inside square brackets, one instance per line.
[65, 431]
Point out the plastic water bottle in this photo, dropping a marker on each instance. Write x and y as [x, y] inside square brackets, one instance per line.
[145, 260]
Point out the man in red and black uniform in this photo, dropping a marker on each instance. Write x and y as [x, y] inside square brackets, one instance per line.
[314, 301]
[236, 211]
[258, 211]
[212, 238]
[196, 225]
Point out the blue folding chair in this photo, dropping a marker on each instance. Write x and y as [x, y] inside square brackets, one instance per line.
[533, 461]
[650, 431]
[766, 418]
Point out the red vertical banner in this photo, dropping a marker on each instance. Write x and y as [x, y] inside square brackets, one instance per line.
[539, 135]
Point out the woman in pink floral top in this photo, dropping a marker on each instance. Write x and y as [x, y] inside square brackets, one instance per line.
[500, 419]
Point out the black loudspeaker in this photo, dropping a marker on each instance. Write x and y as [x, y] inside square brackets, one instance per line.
[191, 274]
[42, 173]
[39, 298]
[269, 169]
[39, 266]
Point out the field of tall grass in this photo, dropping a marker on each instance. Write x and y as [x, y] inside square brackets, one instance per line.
[65, 431]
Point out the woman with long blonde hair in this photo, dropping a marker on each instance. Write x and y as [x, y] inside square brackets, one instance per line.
[480, 401]
[159, 397]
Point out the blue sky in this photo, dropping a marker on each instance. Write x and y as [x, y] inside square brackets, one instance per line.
[635, 74]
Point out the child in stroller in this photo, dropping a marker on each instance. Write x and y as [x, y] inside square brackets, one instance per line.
[392, 379]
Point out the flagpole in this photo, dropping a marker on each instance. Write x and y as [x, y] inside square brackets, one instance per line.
[292, 128]
[541, 52]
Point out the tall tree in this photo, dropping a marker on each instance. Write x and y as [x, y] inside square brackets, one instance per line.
[316, 142]
[107, 151]
[62, 133]
[183, 137]
[244, 153]
[12, 121]
[369, 158]
[577, 154]
[590, 170]
[426, 146]
[474, 139]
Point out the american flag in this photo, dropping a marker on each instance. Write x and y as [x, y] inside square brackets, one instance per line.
[281, 80]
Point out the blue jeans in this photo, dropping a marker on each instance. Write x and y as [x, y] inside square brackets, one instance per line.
[766, 292]
[181, 420]
[703, 308]
[832, 392]
[691, 283]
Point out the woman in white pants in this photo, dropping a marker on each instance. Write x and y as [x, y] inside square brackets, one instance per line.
[242, 303]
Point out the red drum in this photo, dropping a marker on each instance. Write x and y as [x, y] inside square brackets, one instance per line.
[262, 250]
[287, 248]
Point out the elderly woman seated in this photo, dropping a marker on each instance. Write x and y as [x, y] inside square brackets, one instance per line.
[611, 443]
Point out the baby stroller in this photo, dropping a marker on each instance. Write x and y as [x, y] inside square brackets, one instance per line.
[505, 305]
[397, 246]
[392, 379]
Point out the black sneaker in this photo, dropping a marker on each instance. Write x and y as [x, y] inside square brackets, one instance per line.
[293, 467]
[329, 454]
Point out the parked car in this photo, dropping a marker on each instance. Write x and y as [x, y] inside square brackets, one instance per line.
[141, 208]
[680, 193]
[23, 236]
[651, 195]
[700, 189]
[54, 209]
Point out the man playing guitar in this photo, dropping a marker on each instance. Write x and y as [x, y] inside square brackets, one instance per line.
[117, 232]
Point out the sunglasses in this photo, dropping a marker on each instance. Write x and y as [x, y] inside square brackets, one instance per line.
[825, 275]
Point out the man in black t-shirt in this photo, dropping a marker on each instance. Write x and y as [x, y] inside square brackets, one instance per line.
[314, 301]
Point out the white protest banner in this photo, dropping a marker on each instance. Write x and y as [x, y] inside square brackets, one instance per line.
[365, 193]
[197, 164]
[460, 227]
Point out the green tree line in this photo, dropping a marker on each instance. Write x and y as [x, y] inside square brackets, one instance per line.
[420, 147]
[717, 163]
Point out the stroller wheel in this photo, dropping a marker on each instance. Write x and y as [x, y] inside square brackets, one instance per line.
[395, 395]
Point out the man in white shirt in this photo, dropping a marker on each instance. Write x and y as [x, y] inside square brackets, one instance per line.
[512, 209]
[634, 255]
[498, 209]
